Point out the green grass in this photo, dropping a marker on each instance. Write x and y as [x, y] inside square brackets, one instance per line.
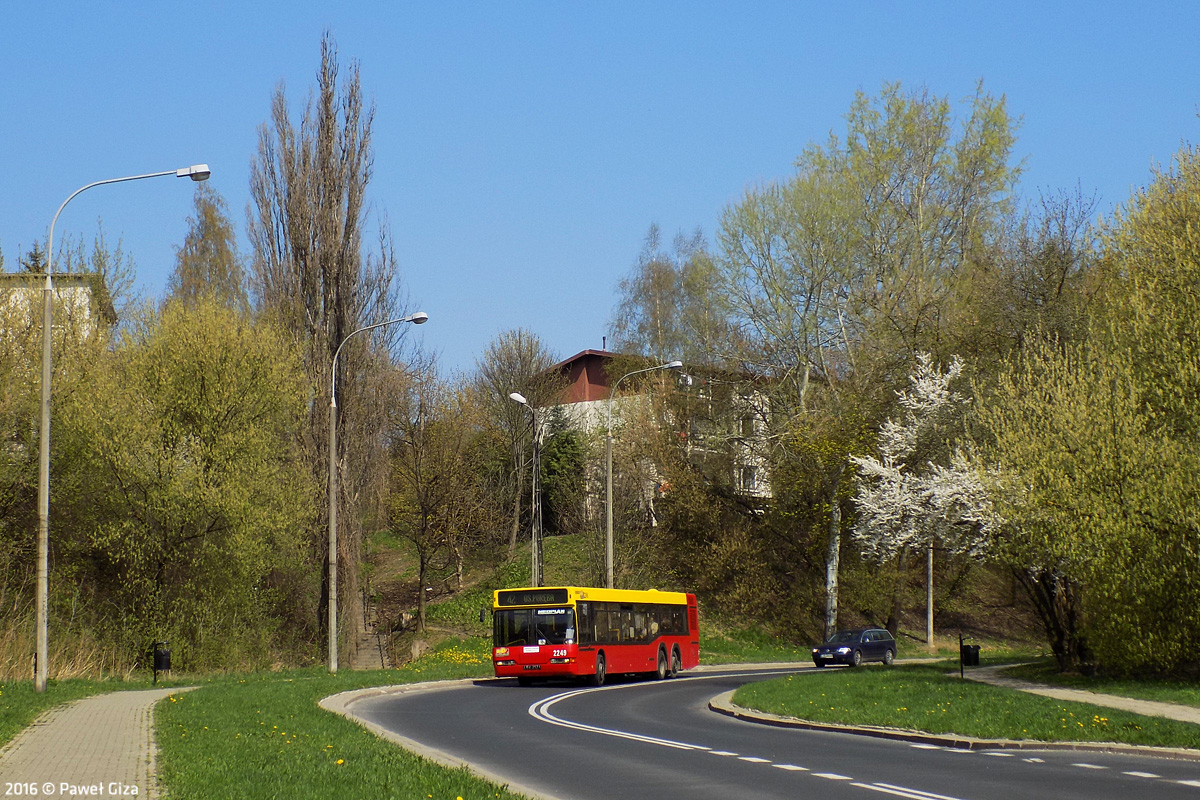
[1163, 690]
[925, 697]
[263, 736]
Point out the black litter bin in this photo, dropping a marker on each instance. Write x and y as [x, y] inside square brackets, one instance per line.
[970, 655]
[162, 659]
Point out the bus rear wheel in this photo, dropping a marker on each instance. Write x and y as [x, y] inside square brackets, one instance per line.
[661, 670]
[598, 677]
[676, 663]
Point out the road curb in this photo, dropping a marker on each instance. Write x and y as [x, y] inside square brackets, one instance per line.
[341, 704]
[723, 704]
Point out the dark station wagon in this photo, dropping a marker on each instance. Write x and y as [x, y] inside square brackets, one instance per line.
[856, 646]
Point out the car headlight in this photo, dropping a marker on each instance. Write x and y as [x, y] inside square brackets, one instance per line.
[843, 650]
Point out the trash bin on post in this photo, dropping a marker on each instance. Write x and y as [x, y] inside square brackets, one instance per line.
[970, 655]
[162, 659]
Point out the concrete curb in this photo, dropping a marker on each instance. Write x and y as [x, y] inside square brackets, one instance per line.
[723, 704]
[341, 704]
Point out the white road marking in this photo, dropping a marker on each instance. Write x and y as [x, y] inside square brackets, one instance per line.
[902, 791]
[791, 767]
[995, 754]
[754, 759]
[541, 711]
[1142, 774]
[923, 746]
[833, 776]
[1035, 761]
[722, 753]
[1190, 783]
[1089, 766]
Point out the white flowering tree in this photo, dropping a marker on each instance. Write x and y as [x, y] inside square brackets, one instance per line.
[906, 503]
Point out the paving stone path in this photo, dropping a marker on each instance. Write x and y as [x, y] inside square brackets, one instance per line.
[104, 741]
[1150, 708]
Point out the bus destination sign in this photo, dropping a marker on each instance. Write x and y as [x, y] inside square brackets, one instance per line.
[533, 597]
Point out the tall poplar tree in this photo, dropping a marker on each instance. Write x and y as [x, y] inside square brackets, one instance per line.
[311, 271]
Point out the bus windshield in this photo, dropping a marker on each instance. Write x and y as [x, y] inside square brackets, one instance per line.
[532, 626]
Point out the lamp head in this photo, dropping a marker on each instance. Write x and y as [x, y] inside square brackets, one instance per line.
[674, 365]
[197, 172]
[419, 318]
[520, 398]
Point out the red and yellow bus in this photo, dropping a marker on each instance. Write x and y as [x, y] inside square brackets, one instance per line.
[568, 631]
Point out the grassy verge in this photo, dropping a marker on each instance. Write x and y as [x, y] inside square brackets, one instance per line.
[925, 697]
[728, 644]
[263, 736]
[1163, 690]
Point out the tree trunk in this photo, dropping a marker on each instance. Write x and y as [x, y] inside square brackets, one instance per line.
[422, 575]
[893, 623]
[929, 597]
[833, 555]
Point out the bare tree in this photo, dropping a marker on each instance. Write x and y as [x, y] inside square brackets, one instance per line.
[437, 500]
[309, 271]
[515, 361]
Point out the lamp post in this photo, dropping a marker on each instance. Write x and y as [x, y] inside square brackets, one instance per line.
[608, 440]
[418, 318]
[197, 172]
[535, 503]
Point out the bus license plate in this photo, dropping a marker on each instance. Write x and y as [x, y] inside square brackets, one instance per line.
[533, 666]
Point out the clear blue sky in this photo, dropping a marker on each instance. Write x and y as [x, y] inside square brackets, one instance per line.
[523, 149]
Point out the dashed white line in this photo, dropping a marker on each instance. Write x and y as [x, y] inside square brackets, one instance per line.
[1035, 760]
[1089, 766]
[721, 753]
[790, 767]
[833, 776]
[994, 754]
[1141, 774]
[1190, 783]
[754, 759]
[923, 746]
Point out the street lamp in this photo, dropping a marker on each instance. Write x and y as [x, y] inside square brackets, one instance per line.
[608, 440]
[418, 318]
[197, 172]
[535, 503]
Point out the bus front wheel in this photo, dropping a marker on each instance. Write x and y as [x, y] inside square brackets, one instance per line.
[598, 676]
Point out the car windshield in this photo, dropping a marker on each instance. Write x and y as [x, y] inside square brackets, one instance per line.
[841, 637]
[531, 626]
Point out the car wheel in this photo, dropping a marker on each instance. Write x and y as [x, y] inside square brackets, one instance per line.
[676, 663]
[856, 658]
[661, 669]
[889, 657]
[599, 675]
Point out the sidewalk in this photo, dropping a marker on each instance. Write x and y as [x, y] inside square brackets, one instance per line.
[105, 741]
[1150, 708]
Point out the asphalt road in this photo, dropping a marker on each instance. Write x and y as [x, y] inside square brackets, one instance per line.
[658, 740]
